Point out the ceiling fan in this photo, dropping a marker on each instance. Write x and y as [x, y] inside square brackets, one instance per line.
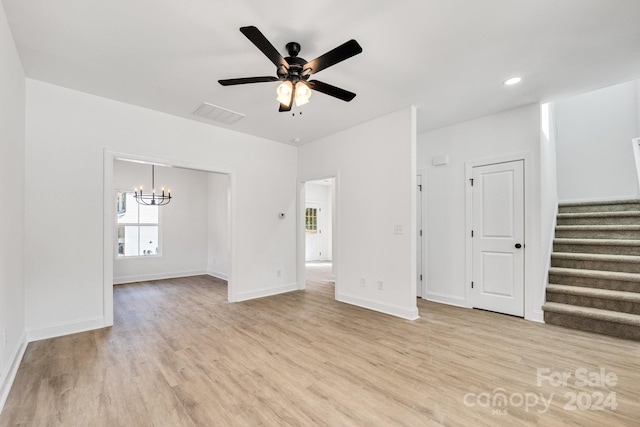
[294, 72]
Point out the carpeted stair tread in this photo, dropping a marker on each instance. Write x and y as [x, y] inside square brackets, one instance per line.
[601, 202]
[595, 274]
[599, 227]
[593, 313]
[595, 293]
[596, 257]
[608, 214]
[599, 242]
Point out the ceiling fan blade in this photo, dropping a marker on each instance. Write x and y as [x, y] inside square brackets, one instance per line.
[245, 80]
[330, 90]
[339, 54]
[265, 46]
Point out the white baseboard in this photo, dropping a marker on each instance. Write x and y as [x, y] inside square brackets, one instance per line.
[65, 328]
[6, 381]
[217, 275]
[409, 313]
[445, 299]
[536, 317]
[267, 292]
[159, 276]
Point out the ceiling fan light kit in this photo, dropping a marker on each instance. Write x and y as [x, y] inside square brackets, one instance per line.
[294, 72]
[301, 93]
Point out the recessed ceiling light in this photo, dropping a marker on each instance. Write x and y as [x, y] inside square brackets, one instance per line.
[512, 81]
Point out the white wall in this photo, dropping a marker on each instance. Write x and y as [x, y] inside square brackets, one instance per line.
[512, 132]
[69, 135]
[218, 227]
[183, 223]
[320, 194]
[594, 152]
[374, 166]
[12, 166]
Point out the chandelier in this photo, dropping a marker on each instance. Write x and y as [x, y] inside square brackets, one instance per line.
[152, 199]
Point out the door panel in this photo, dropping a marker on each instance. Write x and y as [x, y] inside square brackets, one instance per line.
[498, 225]
[497, 273]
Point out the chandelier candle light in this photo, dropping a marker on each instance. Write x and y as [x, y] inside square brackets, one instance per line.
[152, 199]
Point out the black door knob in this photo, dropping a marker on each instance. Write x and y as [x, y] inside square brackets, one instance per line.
[518, 245]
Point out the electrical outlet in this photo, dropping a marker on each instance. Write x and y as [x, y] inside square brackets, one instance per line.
[380, 285]
[4, 337]
[397, 229]
[363, 282]
[278, 273]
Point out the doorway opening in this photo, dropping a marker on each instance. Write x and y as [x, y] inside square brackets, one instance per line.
[192, 235]
[317, 228]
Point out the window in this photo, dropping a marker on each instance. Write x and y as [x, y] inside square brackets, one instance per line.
[137, 226]
[311, 220]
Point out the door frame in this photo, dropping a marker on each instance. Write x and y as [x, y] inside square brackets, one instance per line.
[529, 227]
[422, 250]
[335, 229]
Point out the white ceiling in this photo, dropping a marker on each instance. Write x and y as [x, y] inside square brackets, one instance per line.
[447, 57]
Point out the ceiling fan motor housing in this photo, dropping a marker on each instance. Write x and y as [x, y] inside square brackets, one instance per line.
[296, 71]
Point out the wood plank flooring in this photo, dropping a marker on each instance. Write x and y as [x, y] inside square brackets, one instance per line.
[180, 355]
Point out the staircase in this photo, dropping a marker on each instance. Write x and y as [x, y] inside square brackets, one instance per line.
[594, 279]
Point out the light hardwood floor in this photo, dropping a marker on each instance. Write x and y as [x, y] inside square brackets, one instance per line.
[180, 355]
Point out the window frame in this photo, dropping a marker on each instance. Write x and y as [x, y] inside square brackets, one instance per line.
[314, 223]
[117, 256]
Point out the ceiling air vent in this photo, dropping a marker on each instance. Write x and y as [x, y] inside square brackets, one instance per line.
[217, 114]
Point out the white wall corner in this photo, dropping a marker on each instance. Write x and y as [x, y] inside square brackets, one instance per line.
[9, 375]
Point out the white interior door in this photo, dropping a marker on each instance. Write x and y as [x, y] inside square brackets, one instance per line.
[498, 237]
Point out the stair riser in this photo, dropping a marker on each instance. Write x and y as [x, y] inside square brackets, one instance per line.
[624, 267]
[625, 220]
[593, 325]
[621, 207]
[594, 302]
[597, 234]
[597, 249]
[586, 282]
